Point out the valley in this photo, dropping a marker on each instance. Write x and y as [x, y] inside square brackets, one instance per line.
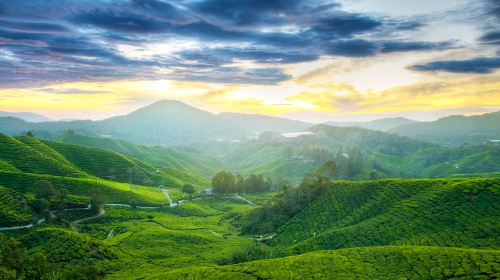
[328, 203]
[249, 140]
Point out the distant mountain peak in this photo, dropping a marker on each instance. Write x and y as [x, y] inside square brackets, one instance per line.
[169, 106]
[26, 116]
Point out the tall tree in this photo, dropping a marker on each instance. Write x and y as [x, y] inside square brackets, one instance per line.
[223, 183]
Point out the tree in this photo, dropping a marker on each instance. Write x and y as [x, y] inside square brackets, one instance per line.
[62, 198]
[240, 185]
[329, 169]
[38, 267]
[12, 256]
[30, 134]
[97, 199]
[223, 183]
[45, 190]
[189, 189]
[41, 206]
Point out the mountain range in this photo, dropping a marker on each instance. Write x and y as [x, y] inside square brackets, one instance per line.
[26, 116]
[169, 122]
[379, 124]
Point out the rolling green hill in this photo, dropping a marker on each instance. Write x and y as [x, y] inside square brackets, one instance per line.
[455, 130]
[31, 155]
[181, 159]
[378, 124]
[80, 188]
[360, 154]
[426, 212]
[36, 158]
[389, 262]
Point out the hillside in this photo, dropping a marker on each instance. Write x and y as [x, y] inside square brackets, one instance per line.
[35, 157]
[455, 130]
[26, 116]
[426, 212]
[379, 124]
[14, 208]
[359, 154]
[167, 122]
[31, 155]
[176, 158]
[389, 262]
[80, 189]
[256, 124]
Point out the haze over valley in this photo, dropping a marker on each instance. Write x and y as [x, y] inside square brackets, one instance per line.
[249, 139]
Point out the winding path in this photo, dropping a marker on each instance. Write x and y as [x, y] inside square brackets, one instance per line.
[167, 196]
[74, 223]
[171, 202]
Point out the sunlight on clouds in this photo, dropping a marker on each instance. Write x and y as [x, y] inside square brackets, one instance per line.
[329, 87]
[150, 50]
[479, 92]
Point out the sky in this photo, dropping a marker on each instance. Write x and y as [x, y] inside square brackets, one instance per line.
[313, 60]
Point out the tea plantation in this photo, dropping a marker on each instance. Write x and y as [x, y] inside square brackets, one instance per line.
[426, 212]
[377, 229]
[388, 262]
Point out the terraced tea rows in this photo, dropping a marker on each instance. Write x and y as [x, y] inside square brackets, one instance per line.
[388, 262]
[80, 188]
[454, 213]
[13, 208]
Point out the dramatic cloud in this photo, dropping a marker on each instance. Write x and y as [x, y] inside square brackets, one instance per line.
[479, 65]
[57, 41]
[492, 37]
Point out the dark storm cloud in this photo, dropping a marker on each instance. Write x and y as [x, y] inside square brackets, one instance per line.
[479, 65]
[47, 41]
[492, 37]
[40, 27]
[363, 48]
[352, 48]
[402, 46]
[258, 12]
[345, 25]
[491, 19]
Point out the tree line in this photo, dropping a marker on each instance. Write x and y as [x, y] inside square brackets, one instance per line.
[49, 198]
[225, 182]
[290, 201]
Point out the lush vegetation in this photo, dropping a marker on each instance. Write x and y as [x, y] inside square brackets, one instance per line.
[448, 212]
[31, 155]
[360, 154]
[89, 207]
[14, 208]
[388, 262]
[455, 130]
[276, 212]
[226, 183]
[180, 159]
